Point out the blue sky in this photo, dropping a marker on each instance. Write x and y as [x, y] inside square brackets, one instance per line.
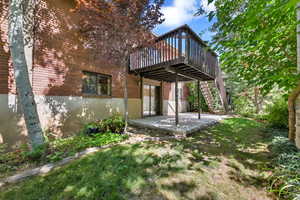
[179, 12]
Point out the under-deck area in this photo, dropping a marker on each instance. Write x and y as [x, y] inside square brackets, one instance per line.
[179, 55]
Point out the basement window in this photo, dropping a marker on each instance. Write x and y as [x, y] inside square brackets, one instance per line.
[96, 84]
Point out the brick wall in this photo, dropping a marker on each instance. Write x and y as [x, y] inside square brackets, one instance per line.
[6, 71]
[60, 56]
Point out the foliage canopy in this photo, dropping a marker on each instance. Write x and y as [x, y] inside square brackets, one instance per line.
[257, 41]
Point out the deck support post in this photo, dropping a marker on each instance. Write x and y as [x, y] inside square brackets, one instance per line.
[161, 98]
[142, 95]
[199, 102]
[176, 100]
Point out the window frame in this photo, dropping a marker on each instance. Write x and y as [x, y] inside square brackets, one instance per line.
[109, 77]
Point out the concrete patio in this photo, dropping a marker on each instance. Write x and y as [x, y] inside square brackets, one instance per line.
[188, 123]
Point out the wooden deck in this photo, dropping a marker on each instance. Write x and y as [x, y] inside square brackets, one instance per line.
[179, 53]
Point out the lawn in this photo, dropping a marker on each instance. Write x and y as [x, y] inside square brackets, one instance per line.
[225, 162]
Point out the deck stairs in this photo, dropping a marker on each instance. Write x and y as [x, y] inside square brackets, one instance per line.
[206, 92]
[211, 101]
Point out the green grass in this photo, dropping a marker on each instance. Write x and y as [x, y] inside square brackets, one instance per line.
[53, 151]
[224, 162]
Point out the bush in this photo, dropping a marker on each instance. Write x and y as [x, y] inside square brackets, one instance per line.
[281, 145]
[37, 153]
[91, 128]
[114, 124]
[277, 114]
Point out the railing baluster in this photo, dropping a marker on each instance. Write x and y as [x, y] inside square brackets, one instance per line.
[158, 53]
[162, 51]
[199, 55]
[176, 46]
[172, 47]
[180, 43]
[196, 53]
[138, 59]
[144, 57]
[155, 53]
[193, 53]
[149, 56]
[169, 48]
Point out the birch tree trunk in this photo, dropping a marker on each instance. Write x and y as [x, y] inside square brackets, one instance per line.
[292, 112]
[24, 89]
[124, 64]
[297, 136]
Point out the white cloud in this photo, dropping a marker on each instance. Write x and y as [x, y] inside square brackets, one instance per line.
[182, 11]
[179, 13]
[206, 7]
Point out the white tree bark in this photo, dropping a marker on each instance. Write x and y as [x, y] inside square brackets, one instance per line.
[125, 100]
[125, 65]
[24, 89]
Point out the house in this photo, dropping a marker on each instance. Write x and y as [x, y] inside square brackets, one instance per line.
[73, 86]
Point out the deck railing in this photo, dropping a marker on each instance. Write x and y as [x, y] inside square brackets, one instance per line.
[180, 46]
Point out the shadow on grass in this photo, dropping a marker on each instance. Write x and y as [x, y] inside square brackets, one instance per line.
[133, 171]
[236, 138]
[122, 172]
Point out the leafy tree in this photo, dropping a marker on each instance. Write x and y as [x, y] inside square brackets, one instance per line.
[248, 100]
[257, 42]
[245, 98]
[20, 26]
[118, 28]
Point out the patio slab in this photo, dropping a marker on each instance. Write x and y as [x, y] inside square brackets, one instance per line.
[188, 123]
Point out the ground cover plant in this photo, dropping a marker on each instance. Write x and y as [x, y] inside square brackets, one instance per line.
[285, 179]
[232, 160]
[94, 134]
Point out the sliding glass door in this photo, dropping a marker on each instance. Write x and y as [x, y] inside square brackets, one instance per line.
[151, 100]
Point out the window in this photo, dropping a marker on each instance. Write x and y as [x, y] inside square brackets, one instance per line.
[96, 84]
